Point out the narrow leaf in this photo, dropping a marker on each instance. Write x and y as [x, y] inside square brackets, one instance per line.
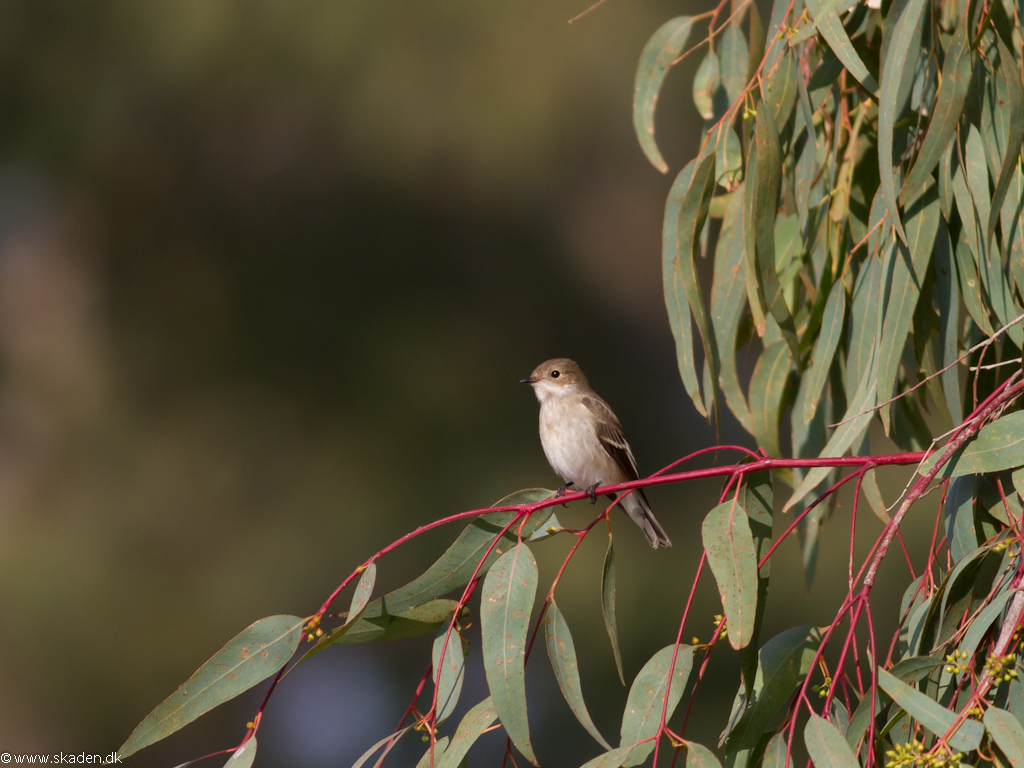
[505, 605]
[613, 759]
[892, 73]
[659, 53]
[1008, 734]
[931, 714]
[390, 740]
[255, 654]
[449, 673]
[733, 560]
[434, 753]
[949, 105]
[826, 745]
[699, 756]
[375, 627]
[474, 723]
[363, 591]
[825, 348]
[608, 605]
[831, 29]
[1007, 71]
[767, 386]
[562, 652]
[244, 755]
[958, 514]
[646, 699]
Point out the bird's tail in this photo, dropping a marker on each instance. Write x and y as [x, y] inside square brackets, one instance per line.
[639, 509]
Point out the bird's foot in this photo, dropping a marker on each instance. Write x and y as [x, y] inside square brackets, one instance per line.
[592, 493]
[562, 489]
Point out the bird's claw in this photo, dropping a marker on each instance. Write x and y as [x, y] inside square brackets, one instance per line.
[592, 493]
[562, 489]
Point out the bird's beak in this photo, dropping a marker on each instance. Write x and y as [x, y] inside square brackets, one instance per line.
[528, 380]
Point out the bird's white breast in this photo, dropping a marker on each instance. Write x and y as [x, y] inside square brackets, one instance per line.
[570, 442]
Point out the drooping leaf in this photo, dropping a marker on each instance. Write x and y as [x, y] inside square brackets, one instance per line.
[693, 213]
[825, 348]
[909, 270]
[676, 302]
[959, 517]
[733, 560]
[434, 753]
[363, 591]
[998, 446]
[893, 72]
[562, 652]
[930, 713]
[1013, 120]
[244, 755]
[375, 627]
[949, 104]
[728, 301]
[389, 740]
[775, 753]
[1007, 732]
[647, 699]
[699, 756]
[831, 28]
[612, 759]
[767, 386]
[826, 745]
[608, 605]
[252, 656]
[456, 566]
[474, 723]
[732, 61]
[450, 673]
[783, 663]
[981, 624]
[506, 601]
[757, 500]
[705, 82]
[948, 295]
[659, 53]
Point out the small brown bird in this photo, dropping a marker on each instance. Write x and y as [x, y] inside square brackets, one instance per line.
[583, 440]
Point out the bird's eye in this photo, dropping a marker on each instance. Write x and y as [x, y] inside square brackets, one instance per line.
[555, 374]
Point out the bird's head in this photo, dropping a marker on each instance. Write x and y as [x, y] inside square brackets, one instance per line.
[556, 378]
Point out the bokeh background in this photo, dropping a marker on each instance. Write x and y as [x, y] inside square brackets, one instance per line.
[269, 275]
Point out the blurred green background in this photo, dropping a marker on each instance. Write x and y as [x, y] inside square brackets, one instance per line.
[269, 275]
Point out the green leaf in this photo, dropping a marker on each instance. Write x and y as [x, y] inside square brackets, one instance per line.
[434, 753]
[903, 35]
[646, 699]
[959, 517]
[608, 605]
[909, 270]
[474, 723]
[244, 755]
[732, 61]
[661, 50]
[775, 753]
[949, 104]
[390, 740]
[831, 28]
[452, 671]
[967, 270]
[767, 387]
[757, 500]
[931, 714]
[562, 652]
[255, 654]
[378, 628]
[762, 189]
[699, 756]
[455, 567]
[728, 301]
[998, 446]
[783, 663]
[363, 591]
[676, 302]
[948, 296]
[733, 560]
[613, 759]
[705, 83]
[779, 88]
[981, 624]
[505, 605]
[825, 348]
[1014, 123]
[826, 745]
[1008, 734]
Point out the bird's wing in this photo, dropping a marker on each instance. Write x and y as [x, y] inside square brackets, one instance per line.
[609, 434]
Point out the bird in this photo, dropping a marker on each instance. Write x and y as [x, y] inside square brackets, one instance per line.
[582, 440]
